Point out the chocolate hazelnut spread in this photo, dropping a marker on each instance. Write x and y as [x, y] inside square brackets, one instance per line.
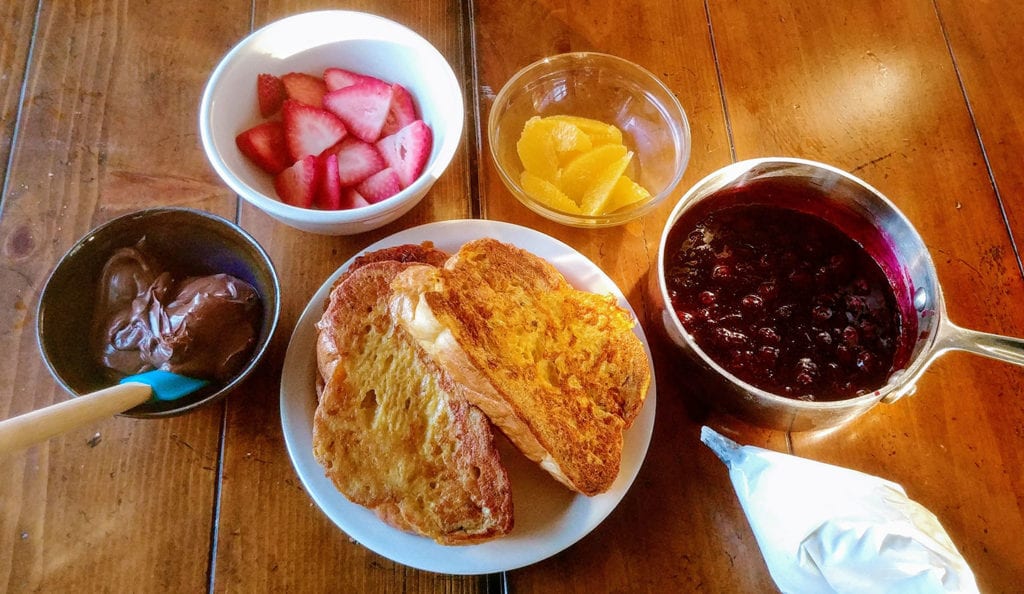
[199, 326]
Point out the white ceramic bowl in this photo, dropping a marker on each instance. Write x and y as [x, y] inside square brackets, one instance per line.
[311, 42]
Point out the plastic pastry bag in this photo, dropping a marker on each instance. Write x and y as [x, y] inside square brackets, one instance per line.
[823, 528]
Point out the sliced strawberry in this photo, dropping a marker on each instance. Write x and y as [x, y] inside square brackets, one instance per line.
[270, 94]
[310, 130]
[351, 198]
[407, 150]
[379, 186]
[339, 78]
[266, 147]
[363, 107]
[329, 196]
[357, 160]
[298, 184]
[402, 112]
[304, 88]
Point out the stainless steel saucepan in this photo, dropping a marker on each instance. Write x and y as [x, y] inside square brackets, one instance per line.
[869, 218]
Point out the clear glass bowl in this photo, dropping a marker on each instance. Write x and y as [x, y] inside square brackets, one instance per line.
[604, 88]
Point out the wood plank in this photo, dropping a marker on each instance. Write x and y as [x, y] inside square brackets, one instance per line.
[873, 90]
[16, 26]
[677, 529]
[986, 43]
[108, 125]
[272, 537]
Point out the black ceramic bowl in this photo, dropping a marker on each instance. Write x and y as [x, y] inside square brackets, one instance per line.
[192, 241]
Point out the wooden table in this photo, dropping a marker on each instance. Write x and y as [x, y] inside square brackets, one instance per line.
[98, 107]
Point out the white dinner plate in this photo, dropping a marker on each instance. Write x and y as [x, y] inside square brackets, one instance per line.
[548, 517]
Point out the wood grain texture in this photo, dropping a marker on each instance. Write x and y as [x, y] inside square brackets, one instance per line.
[985, 42]
[16, 27]
[107, 125]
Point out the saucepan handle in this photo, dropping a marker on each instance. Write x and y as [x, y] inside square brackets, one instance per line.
[995, 346]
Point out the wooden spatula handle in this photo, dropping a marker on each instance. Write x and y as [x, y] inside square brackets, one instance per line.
[40, 425]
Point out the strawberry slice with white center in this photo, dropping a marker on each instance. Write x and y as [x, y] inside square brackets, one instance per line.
[363, 107]
[351, 198]
[402, 112]
[266, 147]
[379, 186]
[407, 150]
[339, 78]
[310, 131]
[304, 88]
[357, 160]
[298, 184]
[270, 94]
[329, 196]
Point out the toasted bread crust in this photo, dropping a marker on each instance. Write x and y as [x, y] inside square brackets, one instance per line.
[391, 433]
[424, 252]
[557, 369]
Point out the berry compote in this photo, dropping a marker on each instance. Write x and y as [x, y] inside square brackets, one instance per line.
[783, 300]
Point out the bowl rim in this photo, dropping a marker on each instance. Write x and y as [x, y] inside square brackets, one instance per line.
[674, 112]
[273, 316]
[373, 27]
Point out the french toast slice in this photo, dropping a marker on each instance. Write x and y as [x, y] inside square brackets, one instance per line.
[391, 433]
[558, 370]
[327, 354]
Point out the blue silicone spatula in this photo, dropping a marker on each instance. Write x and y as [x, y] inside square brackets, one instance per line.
[40, 425]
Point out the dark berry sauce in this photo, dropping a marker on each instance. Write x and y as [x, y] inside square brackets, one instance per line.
[784, 300]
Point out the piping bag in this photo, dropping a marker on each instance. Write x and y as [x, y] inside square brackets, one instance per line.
[823, 528]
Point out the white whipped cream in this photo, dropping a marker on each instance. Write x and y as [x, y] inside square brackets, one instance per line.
[823, 528]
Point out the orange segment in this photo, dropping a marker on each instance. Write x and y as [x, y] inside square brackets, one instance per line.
[598, 132]
[624, 193]
[568, 138]
[545, 143]
[547, 193]
[595, 198]
[537, 152]
[579, 175]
